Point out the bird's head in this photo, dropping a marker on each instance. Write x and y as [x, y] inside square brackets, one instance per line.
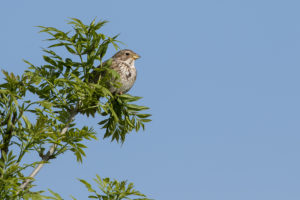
[126, 55]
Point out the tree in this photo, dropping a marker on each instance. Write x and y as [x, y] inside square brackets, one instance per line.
[38, 108]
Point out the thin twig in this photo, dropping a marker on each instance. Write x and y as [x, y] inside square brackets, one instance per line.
[49, 153]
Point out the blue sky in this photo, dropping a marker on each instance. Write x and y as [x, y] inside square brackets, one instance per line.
[222, 81]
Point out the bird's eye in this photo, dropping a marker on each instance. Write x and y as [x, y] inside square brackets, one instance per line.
[127, 53]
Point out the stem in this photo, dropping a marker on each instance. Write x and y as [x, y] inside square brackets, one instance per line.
[10, 125]
[49, 153]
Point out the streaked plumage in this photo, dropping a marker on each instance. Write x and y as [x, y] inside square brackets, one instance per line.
[123, 64]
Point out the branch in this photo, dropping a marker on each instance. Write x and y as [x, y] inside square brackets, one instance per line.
[7, 136]
[49, 153]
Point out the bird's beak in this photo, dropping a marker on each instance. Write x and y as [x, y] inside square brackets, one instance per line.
[136, 56]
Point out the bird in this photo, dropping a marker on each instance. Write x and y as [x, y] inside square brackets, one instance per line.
[123, 62]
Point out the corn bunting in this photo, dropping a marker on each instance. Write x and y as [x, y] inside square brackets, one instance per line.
[123, 64]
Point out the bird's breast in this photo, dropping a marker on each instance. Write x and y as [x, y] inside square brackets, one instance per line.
[127, 77]
[127, 72]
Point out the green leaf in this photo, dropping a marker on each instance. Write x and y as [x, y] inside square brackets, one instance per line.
[73, 197]
[87, 185]
[143, 115]
[72, 51]
[59, 44]
[129, 98]
[27, 122]
[146, 120]
[129, 122]
[57, 196]
[79, 23]
[46, 104]
[56, 89]
[102, 49]
[136, 107]
[100, 24]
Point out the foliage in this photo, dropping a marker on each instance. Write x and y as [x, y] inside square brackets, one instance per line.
[110, 190]
[38, 108]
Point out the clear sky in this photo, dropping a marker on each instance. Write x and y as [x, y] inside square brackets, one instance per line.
[221, 78]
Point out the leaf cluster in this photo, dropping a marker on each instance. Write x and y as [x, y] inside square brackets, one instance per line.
[113, 189]
[38, 108]
[124, 117]
[107, 190]
[66, 84]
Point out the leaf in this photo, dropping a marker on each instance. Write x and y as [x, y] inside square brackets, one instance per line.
[103, 122]
[93, 22]
[59, 44]
[27, 122]
[136, 107]
[79, 23]
[72, 51]
[87, 185]
[102, 49]
[129, 122]
[146, 120]
[129, 98]
[143, 115]
[27, 63]
[100, 24]
[73, 197]
[58, 197]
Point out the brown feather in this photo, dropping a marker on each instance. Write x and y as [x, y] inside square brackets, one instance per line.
[123, 64]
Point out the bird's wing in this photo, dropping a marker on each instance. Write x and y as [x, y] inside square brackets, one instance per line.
[95, 74]
[116, 65]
